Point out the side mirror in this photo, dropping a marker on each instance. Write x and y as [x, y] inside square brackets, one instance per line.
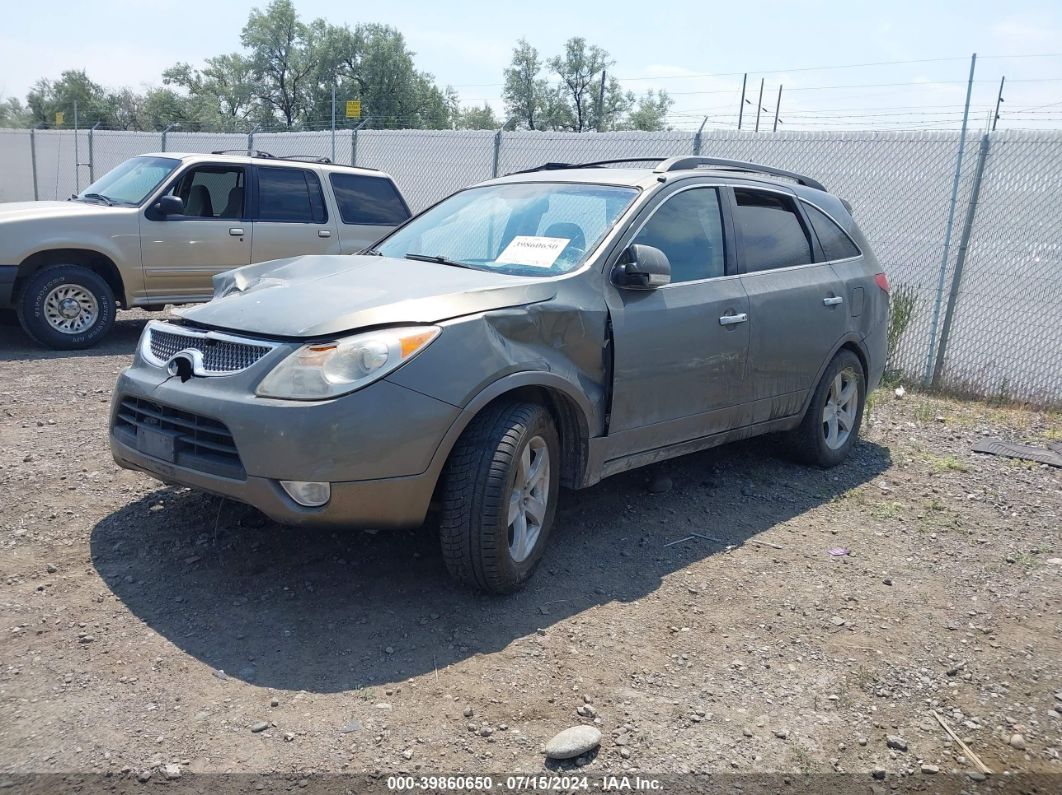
[642, 268]
[169, 205]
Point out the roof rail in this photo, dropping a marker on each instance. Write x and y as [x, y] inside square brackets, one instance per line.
[252, 153]
[306, 159]
[686, 162]
[594, 164]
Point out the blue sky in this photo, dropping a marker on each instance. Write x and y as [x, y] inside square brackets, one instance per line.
[693, 50]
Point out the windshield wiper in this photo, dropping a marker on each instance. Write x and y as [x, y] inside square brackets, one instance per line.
[441, 260]
[371, 252]
[98, 196]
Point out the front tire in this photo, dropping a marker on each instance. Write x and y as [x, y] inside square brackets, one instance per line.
[831, 425]
[66, 307]
[499, 496]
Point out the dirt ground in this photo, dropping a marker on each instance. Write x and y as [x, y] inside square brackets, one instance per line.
[145, 625]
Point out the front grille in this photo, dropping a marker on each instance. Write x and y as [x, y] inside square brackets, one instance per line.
[185, 439]
[219, 355]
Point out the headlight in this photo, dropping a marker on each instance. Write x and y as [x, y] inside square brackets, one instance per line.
[324, 370]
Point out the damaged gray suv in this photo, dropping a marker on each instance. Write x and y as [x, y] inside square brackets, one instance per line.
[545, 329]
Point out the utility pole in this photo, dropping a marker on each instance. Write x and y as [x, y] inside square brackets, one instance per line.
[601, 104]
[999, 99]
[777, 106]
[741, 106]
[759, 106]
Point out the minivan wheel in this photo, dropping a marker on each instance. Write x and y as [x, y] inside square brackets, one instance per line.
[831, 426]
[499, 496]
[66, 307]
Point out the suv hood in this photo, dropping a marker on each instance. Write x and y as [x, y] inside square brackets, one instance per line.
[31, 211]
[316, 296]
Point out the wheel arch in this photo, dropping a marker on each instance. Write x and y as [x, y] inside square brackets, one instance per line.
[95, 261]
[571, 411]
[851, 343]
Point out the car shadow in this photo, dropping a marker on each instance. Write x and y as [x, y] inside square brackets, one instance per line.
[16, 345]
[327, 611]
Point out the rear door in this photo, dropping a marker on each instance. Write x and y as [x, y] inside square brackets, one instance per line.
[290, 215]
[181, 253]
[797, 314]
[679, 350]
[369, 207]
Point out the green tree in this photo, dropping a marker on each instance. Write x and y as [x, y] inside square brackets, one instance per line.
[281, 59]
[473, 118]
[48, 97]
[580, 70]
[221, 96]
[651, 113]
[528, 97]
[13, 114]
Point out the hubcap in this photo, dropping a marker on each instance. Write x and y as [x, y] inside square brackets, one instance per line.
[70, 308]
[839, 413]
[529, 500]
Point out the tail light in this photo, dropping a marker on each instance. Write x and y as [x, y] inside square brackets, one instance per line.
[882, 281]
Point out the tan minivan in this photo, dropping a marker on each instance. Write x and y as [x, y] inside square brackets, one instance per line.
[156, 229]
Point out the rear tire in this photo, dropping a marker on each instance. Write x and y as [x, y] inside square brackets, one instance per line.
[499, 496]
[830, 427]
[66, 307]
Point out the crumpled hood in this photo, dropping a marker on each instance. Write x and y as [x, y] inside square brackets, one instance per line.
[317, 296]
[31, 211]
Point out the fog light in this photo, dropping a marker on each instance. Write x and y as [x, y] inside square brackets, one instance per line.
[311, 493]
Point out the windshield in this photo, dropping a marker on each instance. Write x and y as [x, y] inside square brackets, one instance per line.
[131, 182]
[526, 229]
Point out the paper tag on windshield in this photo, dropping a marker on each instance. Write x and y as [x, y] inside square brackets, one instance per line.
[537, 252]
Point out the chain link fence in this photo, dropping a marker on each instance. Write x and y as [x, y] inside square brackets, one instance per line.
[984, 320]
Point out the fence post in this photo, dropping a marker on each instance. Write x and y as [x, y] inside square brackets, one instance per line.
[92, 154]
[250, 139]
[497, 151]
[697, 137]
[165, 131]
[960, 260]
[33, 160]
[930, 354]
[354, 141]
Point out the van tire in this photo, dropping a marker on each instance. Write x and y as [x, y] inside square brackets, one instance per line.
[96, 299]
[479, 483]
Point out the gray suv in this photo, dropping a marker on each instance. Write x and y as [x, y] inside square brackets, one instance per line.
[545, 329]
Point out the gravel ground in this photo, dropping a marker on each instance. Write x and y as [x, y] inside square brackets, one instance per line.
[146, 626]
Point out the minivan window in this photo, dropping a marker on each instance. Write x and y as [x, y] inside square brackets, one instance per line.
[835, 242]
[368, 200]
[688, 228]
[290, 194]
[772, 233]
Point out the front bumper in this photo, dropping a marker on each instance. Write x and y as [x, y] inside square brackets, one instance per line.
[376, 447]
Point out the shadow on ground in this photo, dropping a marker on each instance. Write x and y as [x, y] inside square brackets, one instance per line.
[16, 345]
[318, 610]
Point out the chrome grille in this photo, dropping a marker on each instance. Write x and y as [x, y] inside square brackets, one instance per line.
[220, 355]
[198, 442]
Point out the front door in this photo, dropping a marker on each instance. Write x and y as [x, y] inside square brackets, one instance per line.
[181, 253]
[797, 314]
[291, 218]
[679, 358]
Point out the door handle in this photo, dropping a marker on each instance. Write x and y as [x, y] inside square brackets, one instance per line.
[324, 233]
[236, 231]
[733, 320]
[833, 300]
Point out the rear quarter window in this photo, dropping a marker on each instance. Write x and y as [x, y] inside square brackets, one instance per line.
[835, 242]
[368, 200]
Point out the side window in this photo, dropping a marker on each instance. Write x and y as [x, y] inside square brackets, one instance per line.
[368, 200]
[771, 231]
[688, 228]
[835, 242]
[290, 194]
[212, 191]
